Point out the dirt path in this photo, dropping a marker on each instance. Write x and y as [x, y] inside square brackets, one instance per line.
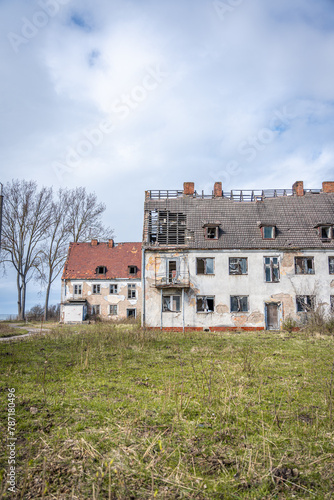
[31, 331]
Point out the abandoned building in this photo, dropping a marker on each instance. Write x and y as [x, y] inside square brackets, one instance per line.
[239, 259]
[101, 279]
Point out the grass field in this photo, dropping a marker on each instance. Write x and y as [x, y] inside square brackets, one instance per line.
[108, 412]
[6, 330]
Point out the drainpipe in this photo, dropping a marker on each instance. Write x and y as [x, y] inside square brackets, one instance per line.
[183, 310]
[143, 287]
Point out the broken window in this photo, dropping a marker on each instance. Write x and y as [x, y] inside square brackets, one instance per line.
[77, 289]
[239, 303]
[113, 289]
[325, 232]
[331, 265]
[96, 288]
[268, 232]
[305, 303]
[96, 310]
[113, 309]
[166, 228]
[131, 313]
[205, 304]
[304, 265]
[238, 265]
[211, 233]
[131, 291]
[171, 303]
[171, 271]
[101, 270]
[271, 269]
[205, 265]
[132, 269]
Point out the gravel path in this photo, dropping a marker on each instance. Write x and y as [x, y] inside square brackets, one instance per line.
[31, 331]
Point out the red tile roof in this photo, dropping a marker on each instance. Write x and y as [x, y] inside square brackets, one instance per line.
[84, 258]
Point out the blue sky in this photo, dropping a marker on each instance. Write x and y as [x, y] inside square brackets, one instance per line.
[123, 96]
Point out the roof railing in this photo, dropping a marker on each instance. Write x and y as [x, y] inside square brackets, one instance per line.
[234, 194]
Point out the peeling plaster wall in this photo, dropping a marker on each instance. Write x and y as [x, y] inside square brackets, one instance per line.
[104, 299]
[221, 285]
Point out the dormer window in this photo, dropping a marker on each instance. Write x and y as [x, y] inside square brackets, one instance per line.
[268, 232]
[132, 269]
[326, 232]
[101, 270]
[211, 231]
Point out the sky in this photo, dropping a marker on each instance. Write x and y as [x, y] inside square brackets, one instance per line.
[121, 96]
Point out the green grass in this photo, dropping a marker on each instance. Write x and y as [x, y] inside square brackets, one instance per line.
[115, 412]
[9, 331]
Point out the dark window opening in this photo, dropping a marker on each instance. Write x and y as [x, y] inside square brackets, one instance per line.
[305, 303]
[211, 233]
[132, 269]
[304, 265]
[101, 270]
[96, 288]
[238, 265]
[171, 303]
[113, 289]
[205, 304]
[325, 232]
[95, 310]
[131, 313]
[331, 265]
[271, 269]
[205, 265]
[239, 303]
[166, 228]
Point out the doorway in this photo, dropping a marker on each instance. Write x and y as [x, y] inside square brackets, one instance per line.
[272, 315]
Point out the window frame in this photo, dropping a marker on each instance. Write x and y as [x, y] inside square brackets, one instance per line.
[115, 286]
[307, 307]
[205, 266]
[305, 259]
[273, 232]
[329, 265]
[99, 272]
[239, 297]
[131, 315]
[77, 285]
[204, 299]
[237, 259]
[213, 230]
[96, 289]
[172, 297]
[94, 306]
[271, 266]
[327, 227]
[114, 307]
[132, 291]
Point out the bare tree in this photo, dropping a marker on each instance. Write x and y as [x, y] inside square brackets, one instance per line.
[54, 249]
[26, 219]
[85, 216]
[76, 216]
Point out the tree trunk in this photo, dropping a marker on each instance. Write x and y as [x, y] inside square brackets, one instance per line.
[46, 305]
[23, 301]
[19, 297]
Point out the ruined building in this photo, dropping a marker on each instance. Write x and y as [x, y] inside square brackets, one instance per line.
[101, 279]
[242, 259]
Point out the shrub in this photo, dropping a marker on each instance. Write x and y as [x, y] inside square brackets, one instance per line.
[289, 324]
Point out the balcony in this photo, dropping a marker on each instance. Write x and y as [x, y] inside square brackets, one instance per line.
[172, 280]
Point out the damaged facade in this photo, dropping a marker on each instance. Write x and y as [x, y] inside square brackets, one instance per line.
[101, 279]
[243, 259]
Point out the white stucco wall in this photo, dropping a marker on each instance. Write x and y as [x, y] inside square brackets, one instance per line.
[222, 285]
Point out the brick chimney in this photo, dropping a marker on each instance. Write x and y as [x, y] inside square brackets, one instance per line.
[328, 187]
[94, 243]
[110, 243]
[298, 188]
[218, 190]
[188, 188]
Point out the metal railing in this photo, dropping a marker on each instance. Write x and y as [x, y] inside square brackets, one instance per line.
[172, 279]
[234, 194]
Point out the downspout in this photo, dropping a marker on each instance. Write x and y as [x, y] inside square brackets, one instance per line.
[143, 287]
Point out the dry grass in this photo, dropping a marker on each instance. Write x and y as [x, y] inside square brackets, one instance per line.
[118, 413]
